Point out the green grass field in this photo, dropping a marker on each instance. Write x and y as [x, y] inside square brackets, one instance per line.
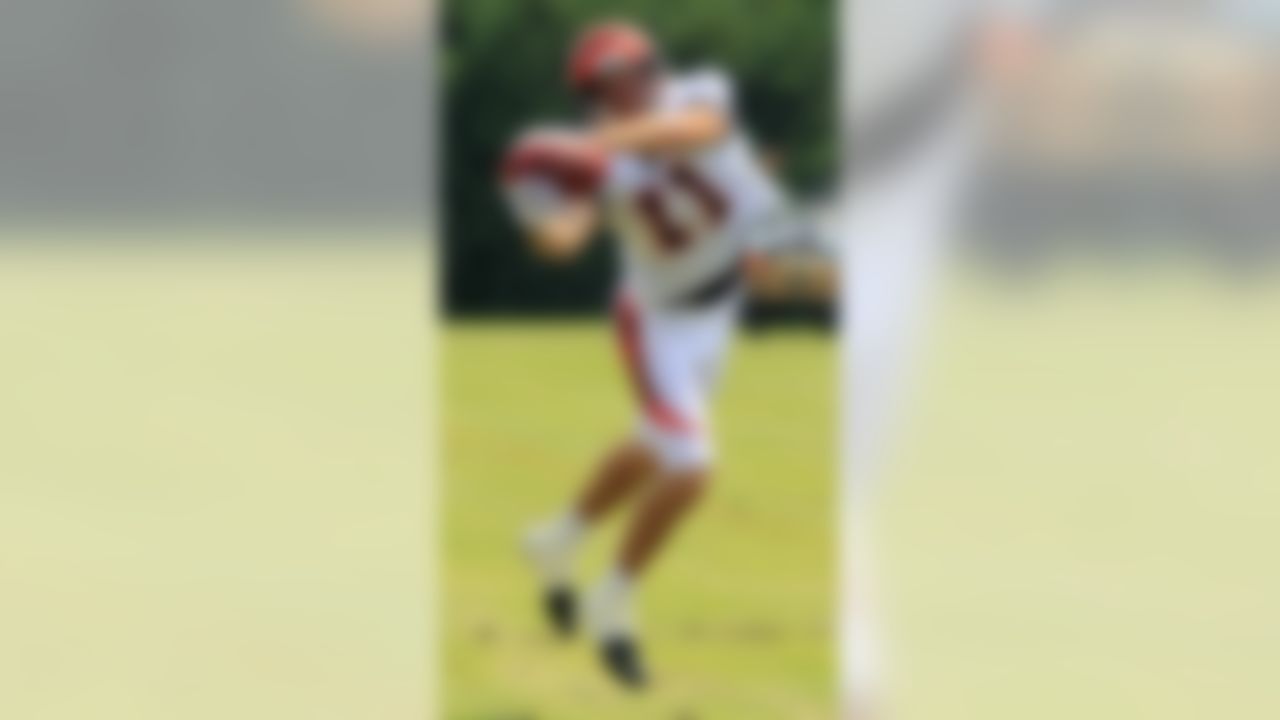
[737, 613]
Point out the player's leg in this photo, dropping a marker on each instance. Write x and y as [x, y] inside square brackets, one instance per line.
[623, 471]
[552, 545]
[677, 359]
[674, 496]
[656, 519]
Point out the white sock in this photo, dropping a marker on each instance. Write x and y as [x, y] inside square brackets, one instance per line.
[552, 546]
[566, 530]
[610, 604]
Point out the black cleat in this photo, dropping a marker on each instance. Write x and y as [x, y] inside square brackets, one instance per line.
[561, 607]
[624, 661]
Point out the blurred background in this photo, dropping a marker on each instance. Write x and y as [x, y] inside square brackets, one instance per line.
[1129, 134]
[1063, 380]
[213, 281]
[236, 112]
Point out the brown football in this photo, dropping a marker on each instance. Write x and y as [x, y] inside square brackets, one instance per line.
[568, 160]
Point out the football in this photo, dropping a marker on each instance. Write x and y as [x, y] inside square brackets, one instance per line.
[567, 160]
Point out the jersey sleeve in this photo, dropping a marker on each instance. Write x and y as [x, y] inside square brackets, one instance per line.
[708, 87]
[534, 200]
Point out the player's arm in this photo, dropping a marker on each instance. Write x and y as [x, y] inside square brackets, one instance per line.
[684, 130]
[788, 259]
[562, 235]
[798, 277]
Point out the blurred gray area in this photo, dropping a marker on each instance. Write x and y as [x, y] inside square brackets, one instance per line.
[217, 110]
[1139, 130]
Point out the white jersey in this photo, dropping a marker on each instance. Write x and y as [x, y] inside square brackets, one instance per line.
[685, 220]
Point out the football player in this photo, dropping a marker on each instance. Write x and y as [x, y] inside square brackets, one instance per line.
[665, 162]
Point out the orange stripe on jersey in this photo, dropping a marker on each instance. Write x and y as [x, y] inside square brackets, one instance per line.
[630, 335]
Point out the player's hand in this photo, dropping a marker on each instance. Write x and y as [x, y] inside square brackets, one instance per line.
[550, 179]
[561, 237]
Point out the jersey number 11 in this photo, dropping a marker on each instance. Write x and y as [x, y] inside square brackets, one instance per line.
[652, 202]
